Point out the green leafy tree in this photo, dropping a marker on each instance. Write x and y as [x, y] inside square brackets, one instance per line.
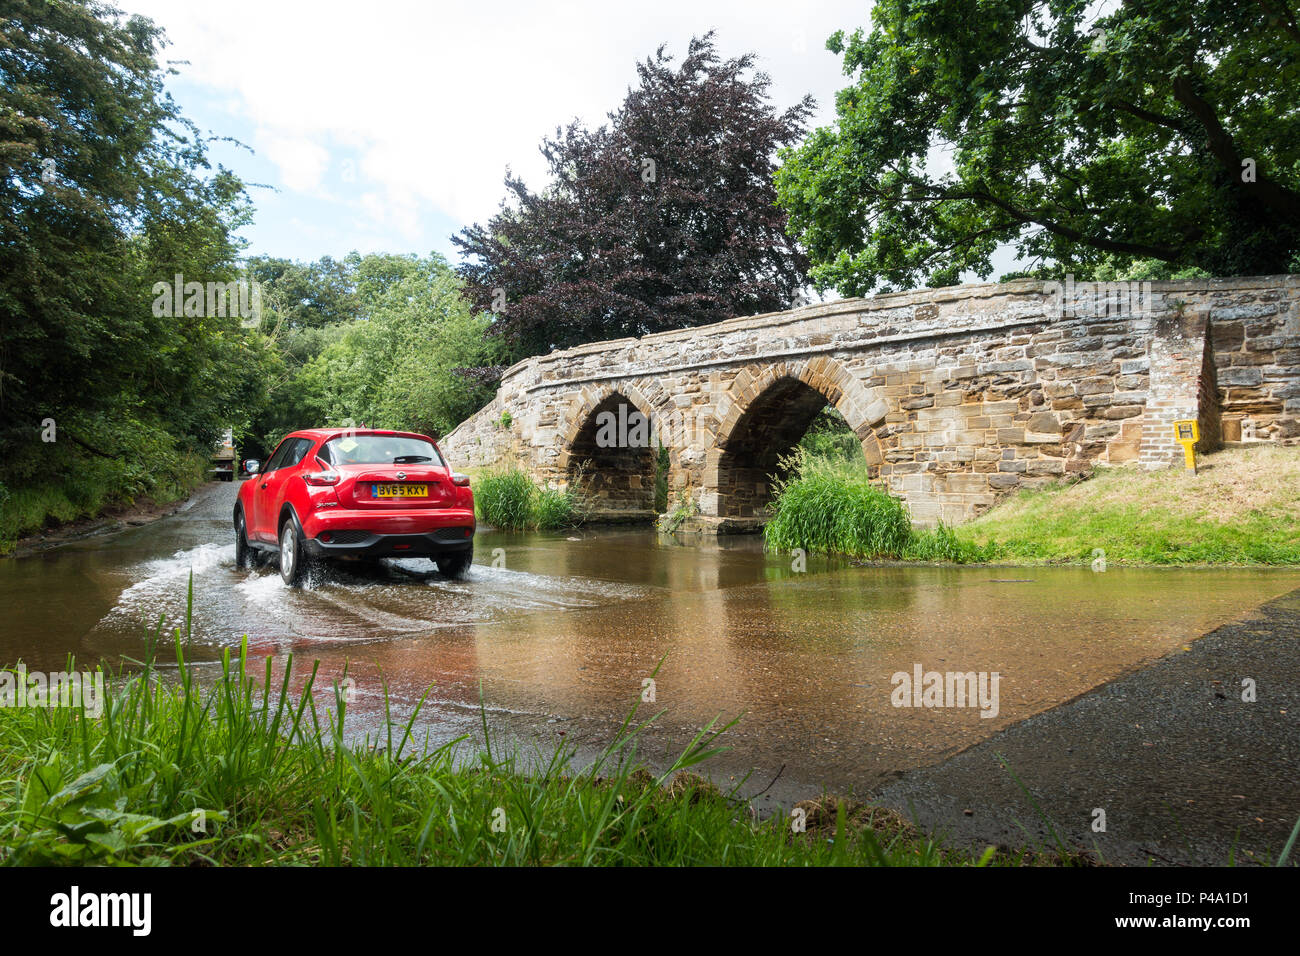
[105, 190]
[307, 296]
[398, 364]
[1163, 130]
[664, 218]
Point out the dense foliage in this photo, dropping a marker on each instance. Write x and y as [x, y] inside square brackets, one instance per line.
[1166, 130]
[105, 190]
[377, 340]
[664, 218]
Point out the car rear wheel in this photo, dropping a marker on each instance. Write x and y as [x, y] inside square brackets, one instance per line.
[243, 553]
[293, 553]
[455, 565]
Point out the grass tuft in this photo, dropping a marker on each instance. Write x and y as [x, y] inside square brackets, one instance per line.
[831, 505]
[509, 500]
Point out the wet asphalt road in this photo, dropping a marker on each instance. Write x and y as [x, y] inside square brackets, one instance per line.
[1186, 771]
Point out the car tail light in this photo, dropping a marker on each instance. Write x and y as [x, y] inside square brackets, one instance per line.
[459, 480]
[326, 476]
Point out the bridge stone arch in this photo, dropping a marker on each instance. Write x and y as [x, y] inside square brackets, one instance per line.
[768, 413]
[620, 478]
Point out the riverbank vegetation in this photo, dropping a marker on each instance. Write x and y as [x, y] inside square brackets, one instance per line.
[831, 505]
[64, 483]
[509, 500]
[1242, 508]
[107, 393]
[825, 501]
[245, 773]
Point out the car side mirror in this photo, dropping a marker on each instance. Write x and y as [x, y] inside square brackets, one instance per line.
[252, 465]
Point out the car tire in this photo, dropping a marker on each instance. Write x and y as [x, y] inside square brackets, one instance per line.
[455, 565]
[294, 561]
[244, 558]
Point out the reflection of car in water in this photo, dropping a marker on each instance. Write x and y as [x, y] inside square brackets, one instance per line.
[223, 457]
[332, 492]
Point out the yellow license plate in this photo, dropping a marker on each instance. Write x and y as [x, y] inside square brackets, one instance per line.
[401, 491]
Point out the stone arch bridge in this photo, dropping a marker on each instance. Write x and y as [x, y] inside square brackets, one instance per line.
[957, 395]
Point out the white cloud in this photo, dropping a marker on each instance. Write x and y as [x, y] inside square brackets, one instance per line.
[390, 213]
[301, 162]
[430, 103]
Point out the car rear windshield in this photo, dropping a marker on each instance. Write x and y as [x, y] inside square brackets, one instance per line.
[379, 450]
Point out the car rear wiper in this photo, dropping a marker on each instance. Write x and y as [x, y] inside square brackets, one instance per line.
[410, 459]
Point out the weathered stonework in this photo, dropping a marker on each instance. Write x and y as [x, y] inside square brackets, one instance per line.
[958, 395]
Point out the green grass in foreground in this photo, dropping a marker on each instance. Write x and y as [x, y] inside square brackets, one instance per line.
[276, 786]
[272, 783]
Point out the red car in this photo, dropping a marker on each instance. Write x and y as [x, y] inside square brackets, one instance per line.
[330, 492]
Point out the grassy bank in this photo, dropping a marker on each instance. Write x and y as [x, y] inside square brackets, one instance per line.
[509, 500]
[244, 773]
[1243, 508]
[78, 485]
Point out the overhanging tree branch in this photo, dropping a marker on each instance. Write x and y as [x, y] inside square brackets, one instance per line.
[1285, 17]
[1224, 149]
[1026, 217]
[1067, 232]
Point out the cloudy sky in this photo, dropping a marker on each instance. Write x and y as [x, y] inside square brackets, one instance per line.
[388, 125]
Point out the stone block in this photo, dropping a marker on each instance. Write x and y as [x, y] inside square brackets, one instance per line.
[1121, 411]
[1243, 375]
[1045, 466]
[1095, 386]
[967, 484]
[875, 412]
[1123, 450]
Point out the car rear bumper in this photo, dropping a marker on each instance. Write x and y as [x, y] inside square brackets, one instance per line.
[369, 534]
[390, 546]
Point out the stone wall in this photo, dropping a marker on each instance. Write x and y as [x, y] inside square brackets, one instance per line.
[958, 395]
[1256, 341]
[481, 440]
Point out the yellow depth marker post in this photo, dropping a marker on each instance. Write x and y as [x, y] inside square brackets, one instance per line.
[1187, 434]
